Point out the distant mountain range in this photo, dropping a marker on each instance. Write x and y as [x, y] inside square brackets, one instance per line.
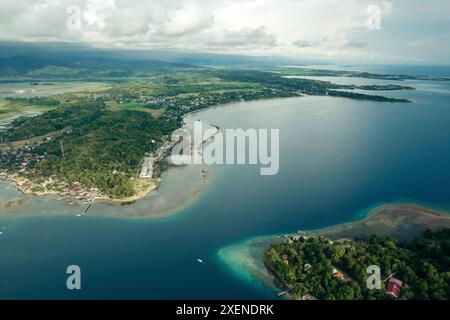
[24, 65]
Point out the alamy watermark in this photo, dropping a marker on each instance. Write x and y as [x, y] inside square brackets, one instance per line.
[92, 13]
[233, 147]
[374, 20]
[74, 17]
[374, 279]
[74, 280]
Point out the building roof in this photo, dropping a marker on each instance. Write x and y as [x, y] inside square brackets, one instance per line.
[394, 287]
[394, 280]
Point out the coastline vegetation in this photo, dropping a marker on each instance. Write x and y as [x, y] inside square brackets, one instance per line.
[305, 266]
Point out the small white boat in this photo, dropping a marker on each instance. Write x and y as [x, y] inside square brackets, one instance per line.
[200, 261]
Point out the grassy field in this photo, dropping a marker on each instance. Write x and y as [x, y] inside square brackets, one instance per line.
[9, 110]
[49, 88]
[4, 110]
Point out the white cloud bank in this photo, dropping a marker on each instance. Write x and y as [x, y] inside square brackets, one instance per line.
[296, 28]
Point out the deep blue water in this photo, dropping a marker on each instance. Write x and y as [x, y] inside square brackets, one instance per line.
[338, 157]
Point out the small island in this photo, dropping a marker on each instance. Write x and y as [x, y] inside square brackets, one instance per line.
[409, 243]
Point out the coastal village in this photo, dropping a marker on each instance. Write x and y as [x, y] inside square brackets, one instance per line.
[148, 162]
[22, 159]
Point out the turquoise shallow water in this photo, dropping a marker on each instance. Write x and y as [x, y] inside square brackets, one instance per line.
[338, 157]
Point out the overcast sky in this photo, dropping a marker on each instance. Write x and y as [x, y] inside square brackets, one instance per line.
[407, 31]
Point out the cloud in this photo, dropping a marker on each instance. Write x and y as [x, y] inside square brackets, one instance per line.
[306, 43]
[356, 44]
[190, 18]
[300, 28]
[335, 41]
[243, 38]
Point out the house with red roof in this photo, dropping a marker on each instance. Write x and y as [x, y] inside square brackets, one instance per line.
[394, 287]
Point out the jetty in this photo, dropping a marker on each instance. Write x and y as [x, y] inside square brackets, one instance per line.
[86, 209]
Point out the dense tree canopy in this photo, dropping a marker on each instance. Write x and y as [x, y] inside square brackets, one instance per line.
[306, 265]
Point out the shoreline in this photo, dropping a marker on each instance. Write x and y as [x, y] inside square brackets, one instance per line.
[74, 197]
[165, 203]
[150, 184]
[144, 194]
[194, 112]
[17, 182]
[400, 221]
[145, 188]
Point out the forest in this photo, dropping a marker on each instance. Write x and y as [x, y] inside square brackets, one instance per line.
[305, 266]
